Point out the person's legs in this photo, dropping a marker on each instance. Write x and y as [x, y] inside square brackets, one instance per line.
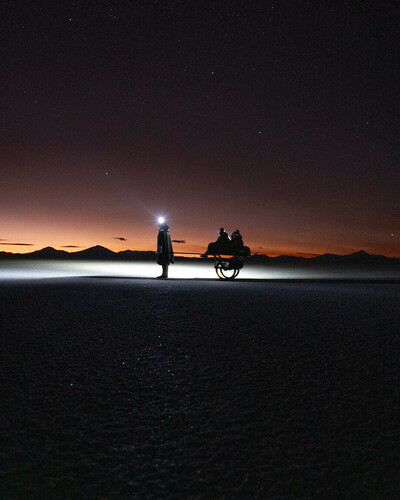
[165, 270]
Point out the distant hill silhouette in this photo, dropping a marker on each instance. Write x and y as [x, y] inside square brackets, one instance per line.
[48, 253]
[101, 253]
[357, 258]
[98, 252]
[93, 253]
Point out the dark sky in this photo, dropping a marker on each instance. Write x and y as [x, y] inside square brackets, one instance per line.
[279, 118]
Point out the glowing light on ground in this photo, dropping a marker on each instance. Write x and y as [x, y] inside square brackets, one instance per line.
[44, 269]
[64, 269]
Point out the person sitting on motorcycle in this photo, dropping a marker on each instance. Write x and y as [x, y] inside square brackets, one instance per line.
[237, 243]
[222, 244]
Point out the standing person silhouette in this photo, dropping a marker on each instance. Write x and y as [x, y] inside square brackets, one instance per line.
[165, 253]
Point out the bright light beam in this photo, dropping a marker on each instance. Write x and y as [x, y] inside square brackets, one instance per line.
[44, 269]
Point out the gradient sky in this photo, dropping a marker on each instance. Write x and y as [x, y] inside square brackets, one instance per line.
[279, 118]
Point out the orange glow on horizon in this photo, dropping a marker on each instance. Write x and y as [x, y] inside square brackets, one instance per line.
[149, 244]
[73, 233]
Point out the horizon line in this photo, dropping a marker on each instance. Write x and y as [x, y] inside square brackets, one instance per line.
[302, 255]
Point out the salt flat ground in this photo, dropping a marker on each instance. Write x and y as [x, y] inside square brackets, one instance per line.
[140, 388]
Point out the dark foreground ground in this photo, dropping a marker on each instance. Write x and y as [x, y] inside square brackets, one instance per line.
[117, 388]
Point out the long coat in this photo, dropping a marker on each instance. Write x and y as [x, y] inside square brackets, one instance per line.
[165, 253]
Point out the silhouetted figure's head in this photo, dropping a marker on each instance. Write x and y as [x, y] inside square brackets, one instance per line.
[163, 223]
[222, 230]
[236, 237]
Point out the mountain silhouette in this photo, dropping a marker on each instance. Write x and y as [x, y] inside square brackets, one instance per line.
[48, 253]
[360, 258]
[99, 252]
[96, 252]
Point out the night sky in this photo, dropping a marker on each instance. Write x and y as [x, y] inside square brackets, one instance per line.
[279, 118]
